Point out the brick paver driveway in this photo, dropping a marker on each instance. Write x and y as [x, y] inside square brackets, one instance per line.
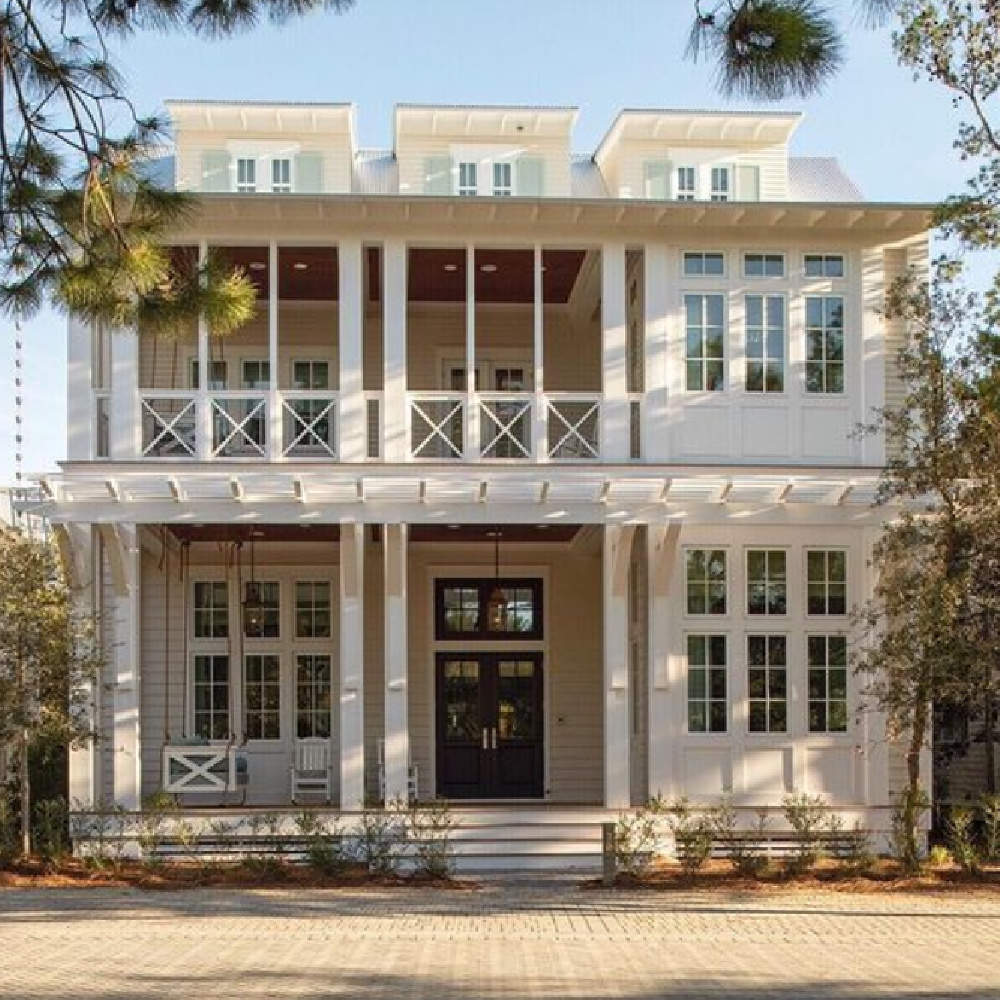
[542, 940]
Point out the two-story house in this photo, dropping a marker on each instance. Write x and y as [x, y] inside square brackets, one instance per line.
[533, 482]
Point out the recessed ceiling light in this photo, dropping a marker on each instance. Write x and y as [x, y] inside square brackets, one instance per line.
[488, 268]
[300, 266]
[257, 265]
[453, 527]
[451, 267]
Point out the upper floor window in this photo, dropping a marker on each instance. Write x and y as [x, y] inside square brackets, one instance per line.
[246, 175]
[767, 582]
[687, 184]
[763, 265]
[826, 582]
[824, 265]
[705, 577]
[217, 379]
[697, 265]
[256, 374]
[722, 187]
[468, 179]
[310, 375]
[503, 179]
[704, 344]
[281, 176]
[824, 343]
[765, 343]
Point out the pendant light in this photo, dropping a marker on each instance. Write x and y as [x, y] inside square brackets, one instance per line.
[496, 607]
[253, 606]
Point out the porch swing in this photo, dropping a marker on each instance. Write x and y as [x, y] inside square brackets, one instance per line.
[192, 764]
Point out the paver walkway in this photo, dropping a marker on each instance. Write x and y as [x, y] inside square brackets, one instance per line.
[505, 940]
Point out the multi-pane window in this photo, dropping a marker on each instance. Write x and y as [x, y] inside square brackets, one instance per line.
[827, 666]
[765, 343]
[763, 265]
[824, 265]
[310, 375]
[313, 697]
[705, 575]
[211, 696]
[704, 344]
[211, 609]
[825, 343]
[699, 265]
[707, 695]
[217, 379]
[312, 609]
[281, 176]
[826, 582]
[268, 623]
[463, 609]
[503, 179]
[460, 608]
[246, 175]
[767, 683]
[687, 184]
[721, 186]
[262, 696]
[256, 374]
[767, 582]
[468, 179]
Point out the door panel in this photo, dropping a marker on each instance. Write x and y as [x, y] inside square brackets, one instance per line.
[489, 726]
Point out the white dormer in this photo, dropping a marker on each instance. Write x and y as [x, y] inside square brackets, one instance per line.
[698, 156]
[264, 148]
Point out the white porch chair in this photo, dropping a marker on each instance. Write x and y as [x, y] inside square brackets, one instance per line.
[311, 769]
[412, 776]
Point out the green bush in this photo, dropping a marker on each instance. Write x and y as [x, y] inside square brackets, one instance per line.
[692, 836]
[743, 849]
[958, 831]
[907, 811]
[989, 807]
[431, 826]
[806, 815]
[51, 829]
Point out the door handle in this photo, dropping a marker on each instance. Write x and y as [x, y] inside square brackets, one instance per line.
[494, 738]
[486, 739]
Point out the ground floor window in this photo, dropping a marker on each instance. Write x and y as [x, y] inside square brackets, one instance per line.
[262, 696]
[827, 656]
[708, 698]
[211, 696]
[767, 683]
[313, 696]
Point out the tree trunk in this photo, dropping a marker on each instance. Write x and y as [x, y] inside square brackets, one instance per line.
[25, 779]
[990, 736]
[917, 734]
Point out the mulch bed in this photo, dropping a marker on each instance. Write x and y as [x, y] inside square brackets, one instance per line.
[884, 877]
[272, 874]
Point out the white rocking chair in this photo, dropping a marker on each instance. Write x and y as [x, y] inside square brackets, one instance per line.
[412, 777]
[311, 770]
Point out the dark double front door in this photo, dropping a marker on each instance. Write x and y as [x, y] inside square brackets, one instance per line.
[489, 725]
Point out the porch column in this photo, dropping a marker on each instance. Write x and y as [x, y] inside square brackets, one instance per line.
[397, 733]
[617, 767]
[873, 357]
[395, 418]
[351, 432]
[81, 439]
[121, 550]
[664, 690]
[615, 429]
[275, 445]
[126, 424]
[352, 666]
[204, 444]
[657, 280]
[539, 434]
[473, 440]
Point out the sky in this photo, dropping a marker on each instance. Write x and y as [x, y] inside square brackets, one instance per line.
[892, 135]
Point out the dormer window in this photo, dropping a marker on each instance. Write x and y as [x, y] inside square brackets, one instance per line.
[503, 179]
[468, 183]
[246, 175]
[687, 184]
[281, 176]
[721, 184]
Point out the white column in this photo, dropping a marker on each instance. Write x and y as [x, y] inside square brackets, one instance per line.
[274, 439]
[126, 423]
[472, 418]
[665, 682]
[657, 279]
[397, 733]
[872, 362]
[615, 436]
[203, 406]
[352, 666]
[81, 440]
[617, 768]
[351, 417]
[539, 436]
[395, 421]
[122, 551]
[78, 560]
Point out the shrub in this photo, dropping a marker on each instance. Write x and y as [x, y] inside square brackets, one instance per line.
[150, 825]
[806, 815]
[8, 826]
[852, 851]
[380, 835]
[907, 811]
[958, 831]
[636, 837]
[324, 846]
[989, 807]
[744, 850]
[430, 828]
[939, 856]
[692, 836]
[51, 830]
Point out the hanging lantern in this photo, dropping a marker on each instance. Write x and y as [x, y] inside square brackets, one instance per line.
[253, 606]
[496, 606]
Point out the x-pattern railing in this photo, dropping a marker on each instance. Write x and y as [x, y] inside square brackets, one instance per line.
[574, 442]
[438, 430]
[232, 433]
[174, 429]
[506, 427]
[312, 428]
[199, 769]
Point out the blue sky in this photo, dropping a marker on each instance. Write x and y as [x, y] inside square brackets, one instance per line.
[892, 134]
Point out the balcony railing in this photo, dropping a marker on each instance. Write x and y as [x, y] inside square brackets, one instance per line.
[505, 425]
[308, 424]
[169, 423]
[573, 425]
[437, 425]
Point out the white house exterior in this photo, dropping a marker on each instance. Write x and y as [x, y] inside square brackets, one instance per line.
[634, 373]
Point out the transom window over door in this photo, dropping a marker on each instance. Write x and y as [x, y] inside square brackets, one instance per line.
[461, 609]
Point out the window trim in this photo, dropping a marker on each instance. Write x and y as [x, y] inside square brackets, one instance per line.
[484, 585]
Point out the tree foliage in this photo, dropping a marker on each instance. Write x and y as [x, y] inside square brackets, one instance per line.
[82, 215]
[49, 655]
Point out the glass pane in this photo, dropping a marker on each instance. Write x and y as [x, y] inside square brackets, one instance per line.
[755, 311]
[717, 564]
[817, 717]
[694, 376]
[817, 683]
[717, 684]
[778, 716]
[461, 702]
[777, 683]
[817, 650]
[838, 599]
[714, 310]
[717, 598]
[717, 717]
[696, 717]
[816, 601]
[755, 565]
[697, 686]
[757, 683]
[838, 683]
[696, 564]
[837, 647]
[713, 261]
[758, 717]
[697, 601]
[776, 600]
[516, 708]
[777, 650]
[756, 650]
[717, 650]
[696, 646]
[755, 376]
[838, 716]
